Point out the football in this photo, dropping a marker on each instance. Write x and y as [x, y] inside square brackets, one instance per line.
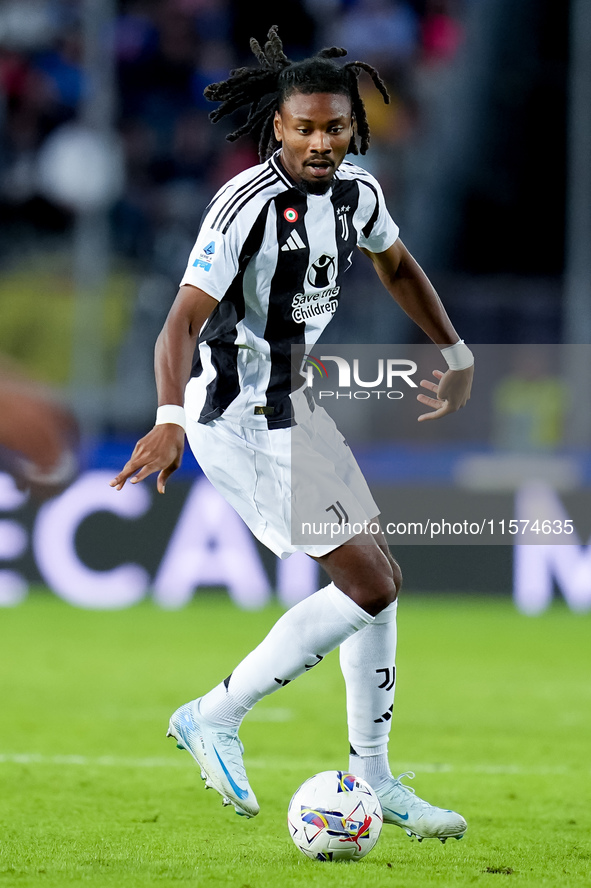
[335, 816]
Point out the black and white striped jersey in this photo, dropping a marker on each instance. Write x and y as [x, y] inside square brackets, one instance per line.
[274, 257]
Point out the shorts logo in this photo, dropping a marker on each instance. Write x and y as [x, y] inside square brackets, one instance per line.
[322, 272]
[290, 215]
[339, 511]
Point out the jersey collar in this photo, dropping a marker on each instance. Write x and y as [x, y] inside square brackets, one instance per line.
[275, 162]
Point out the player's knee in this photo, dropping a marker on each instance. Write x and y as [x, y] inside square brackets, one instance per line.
[396, 576]
[379, 590]
[388, 589]
[396, 580]
[367, 574]
[378, 596]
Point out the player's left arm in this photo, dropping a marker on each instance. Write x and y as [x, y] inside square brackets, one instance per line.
[410, 287]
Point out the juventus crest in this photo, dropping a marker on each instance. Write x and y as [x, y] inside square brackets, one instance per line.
[344, 220]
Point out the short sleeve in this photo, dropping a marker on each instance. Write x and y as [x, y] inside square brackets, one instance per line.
[213, 262]
[380, 231]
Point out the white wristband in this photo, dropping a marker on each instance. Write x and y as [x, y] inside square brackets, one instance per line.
[171, 413]
[458, 356]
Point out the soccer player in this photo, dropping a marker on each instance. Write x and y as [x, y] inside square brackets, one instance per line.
[280, 231]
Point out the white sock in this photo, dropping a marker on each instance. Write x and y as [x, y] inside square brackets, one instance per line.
[368, 666]
[299, 640]
[375, 769]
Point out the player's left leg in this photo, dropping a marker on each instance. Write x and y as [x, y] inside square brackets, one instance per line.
[368, 664]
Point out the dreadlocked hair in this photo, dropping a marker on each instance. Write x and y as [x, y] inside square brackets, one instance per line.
[264, 89]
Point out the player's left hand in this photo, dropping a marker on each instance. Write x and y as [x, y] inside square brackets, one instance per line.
[451, 392]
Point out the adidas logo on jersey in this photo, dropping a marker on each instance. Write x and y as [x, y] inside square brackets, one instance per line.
[293, 242]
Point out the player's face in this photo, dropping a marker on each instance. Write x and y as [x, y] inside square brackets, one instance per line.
[314, 132]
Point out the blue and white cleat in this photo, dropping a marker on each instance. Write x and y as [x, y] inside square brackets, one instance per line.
[217, 750]
[418, 818]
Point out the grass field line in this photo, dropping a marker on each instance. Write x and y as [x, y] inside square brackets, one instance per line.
[112, 761]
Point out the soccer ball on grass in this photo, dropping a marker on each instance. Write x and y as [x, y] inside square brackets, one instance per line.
[335, 816]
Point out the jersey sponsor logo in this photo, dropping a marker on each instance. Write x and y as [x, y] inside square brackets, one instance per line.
[293, 242]
[310, 305]
[290, 215]
[322, 272]
[209, 250]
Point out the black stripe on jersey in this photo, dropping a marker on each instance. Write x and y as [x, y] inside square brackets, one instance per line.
[234, 194]
[281, 331]
[248, 198]
[345, 197]
[368, 228]
[217, 196]
[220, 332]
[244, 192]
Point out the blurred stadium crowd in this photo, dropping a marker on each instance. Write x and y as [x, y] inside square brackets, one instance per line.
[459, 151]
[167, 51]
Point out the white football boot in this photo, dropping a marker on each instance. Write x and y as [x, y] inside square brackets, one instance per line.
[418, 818]
[217, 750]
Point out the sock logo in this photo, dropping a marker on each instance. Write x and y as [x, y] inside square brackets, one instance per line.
[385, 717]
[388, 684]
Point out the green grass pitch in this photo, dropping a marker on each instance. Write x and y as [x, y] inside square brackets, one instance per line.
[493, 712]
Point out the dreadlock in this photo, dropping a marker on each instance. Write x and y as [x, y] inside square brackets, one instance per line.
[264, 89]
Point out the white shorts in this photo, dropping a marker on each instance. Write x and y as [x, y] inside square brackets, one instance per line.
[298, 489]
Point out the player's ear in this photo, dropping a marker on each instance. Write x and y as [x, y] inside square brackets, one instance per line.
[278, 127]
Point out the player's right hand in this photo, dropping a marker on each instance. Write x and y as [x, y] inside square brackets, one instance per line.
[161, 450]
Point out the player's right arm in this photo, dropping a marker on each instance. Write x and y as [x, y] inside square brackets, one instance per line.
[161, 450]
